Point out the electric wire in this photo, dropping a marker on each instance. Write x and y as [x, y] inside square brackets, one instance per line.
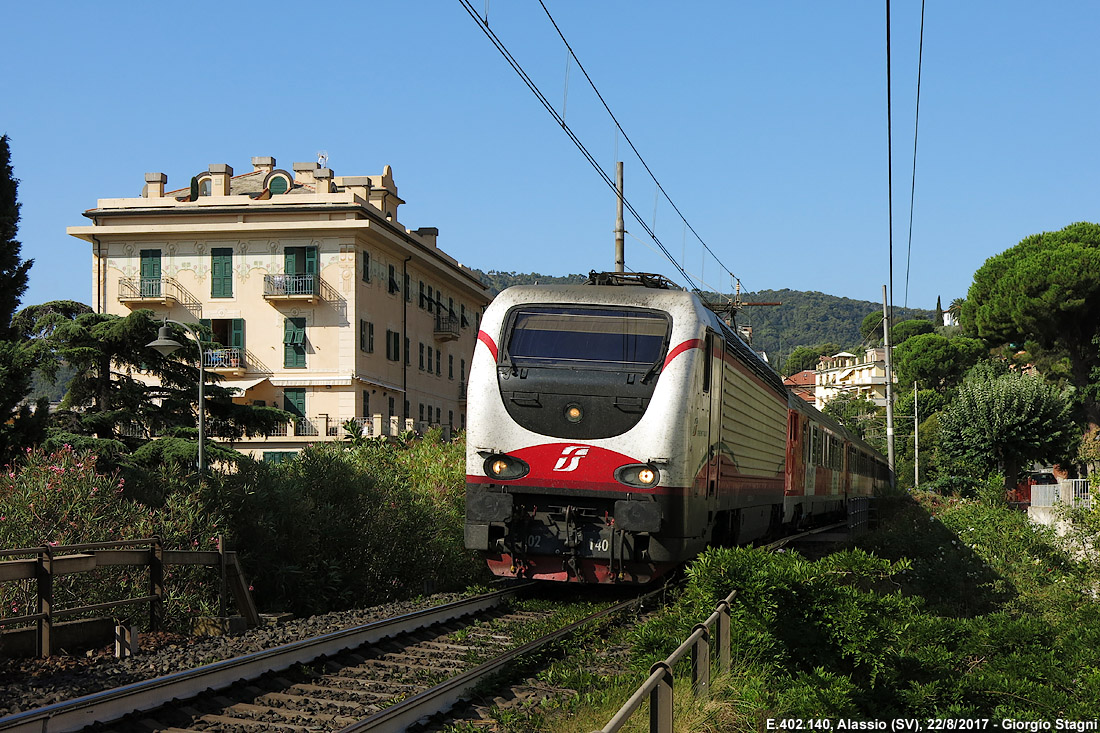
[913, 185]
[889, 165]
[631, 143]
[568, 131]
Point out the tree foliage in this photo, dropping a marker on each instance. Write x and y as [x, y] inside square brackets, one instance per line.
[1006, 421]
[905, 330]
[124, 393]
[1045, 289]
[934, 361]
[854, 413]
[807, 357]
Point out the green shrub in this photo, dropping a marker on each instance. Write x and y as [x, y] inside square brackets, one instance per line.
[340, 527]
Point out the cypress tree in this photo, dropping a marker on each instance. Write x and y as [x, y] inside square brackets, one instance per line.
[13, 270]
[18, 426]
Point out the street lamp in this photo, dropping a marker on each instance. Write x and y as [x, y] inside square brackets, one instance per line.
[165, 344]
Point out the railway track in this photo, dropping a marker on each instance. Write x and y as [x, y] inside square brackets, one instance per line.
[383, 676]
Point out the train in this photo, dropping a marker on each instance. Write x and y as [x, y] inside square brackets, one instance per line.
[615, 429]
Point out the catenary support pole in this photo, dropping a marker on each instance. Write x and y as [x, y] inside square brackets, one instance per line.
[620, 225]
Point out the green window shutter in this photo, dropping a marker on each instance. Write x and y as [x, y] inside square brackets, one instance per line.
[221, 272]
[205, 323]
[370, 338]
[311, 261]
[362, 335]
[366, 266]
[150, 273]
[236, 333]
[294, 401]
[290, 263]
[294, 337]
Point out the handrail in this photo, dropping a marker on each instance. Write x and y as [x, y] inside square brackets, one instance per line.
[50, 562]
[658, 687]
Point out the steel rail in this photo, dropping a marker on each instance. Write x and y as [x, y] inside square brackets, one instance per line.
[443, 697]
[783, 541]
[110, 705]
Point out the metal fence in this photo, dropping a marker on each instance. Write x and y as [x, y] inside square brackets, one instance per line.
[1073, 492]
[659, 687]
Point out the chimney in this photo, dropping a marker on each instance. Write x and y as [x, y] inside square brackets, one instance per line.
[323, 178]
[263, 164]
[154, 185]
[428, 234]
[220, 173]
[358, 185]
[303, 172]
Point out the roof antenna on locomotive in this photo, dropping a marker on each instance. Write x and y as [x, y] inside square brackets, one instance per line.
[637, 279]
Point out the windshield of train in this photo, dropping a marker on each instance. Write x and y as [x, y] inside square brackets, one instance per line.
[624, 338]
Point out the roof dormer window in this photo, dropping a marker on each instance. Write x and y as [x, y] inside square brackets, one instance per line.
[205, 185]
[278, 182]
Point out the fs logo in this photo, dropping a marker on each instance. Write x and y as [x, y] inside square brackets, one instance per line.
[571, 455]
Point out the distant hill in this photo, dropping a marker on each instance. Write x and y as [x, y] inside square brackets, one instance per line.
[803, 319]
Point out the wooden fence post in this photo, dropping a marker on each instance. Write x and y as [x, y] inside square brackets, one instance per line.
[44, 575]
[723, 637]
[156, 584]
[660, 701]
[700, 662]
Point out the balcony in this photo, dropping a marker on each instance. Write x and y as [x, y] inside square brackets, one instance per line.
[293, 288]
[229, 361]
[447, 328]
[144, 291]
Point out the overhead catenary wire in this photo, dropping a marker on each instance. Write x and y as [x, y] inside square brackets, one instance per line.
[502, 49]
[632, 146]
[913, 184]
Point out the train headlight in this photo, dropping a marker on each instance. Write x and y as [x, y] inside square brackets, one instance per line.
[506, 468]
[642, 476]
[573, 412]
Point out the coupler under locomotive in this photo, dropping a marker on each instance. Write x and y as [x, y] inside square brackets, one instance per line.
[568, 538]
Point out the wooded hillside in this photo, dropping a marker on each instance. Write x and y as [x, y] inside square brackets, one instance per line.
[803, 319]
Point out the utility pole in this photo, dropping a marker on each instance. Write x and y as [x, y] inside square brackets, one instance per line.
[916, 440]
[889, 386]
[620, 225]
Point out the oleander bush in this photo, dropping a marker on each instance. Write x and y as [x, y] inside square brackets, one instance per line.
[59, 498]
[337, 527]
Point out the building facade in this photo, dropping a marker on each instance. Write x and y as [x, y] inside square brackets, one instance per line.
[319, 301]
[802, 384]
[862, 376]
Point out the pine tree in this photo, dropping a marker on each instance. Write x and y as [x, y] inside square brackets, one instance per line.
[939, 313]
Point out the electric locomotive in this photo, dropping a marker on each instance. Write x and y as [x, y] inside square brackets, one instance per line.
[616, 429]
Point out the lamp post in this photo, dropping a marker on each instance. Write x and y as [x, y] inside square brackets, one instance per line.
[165, 344]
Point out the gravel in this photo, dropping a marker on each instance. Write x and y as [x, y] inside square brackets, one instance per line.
[26, 684]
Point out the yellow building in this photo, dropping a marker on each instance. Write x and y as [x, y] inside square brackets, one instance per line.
[320, 302]
[862, 376]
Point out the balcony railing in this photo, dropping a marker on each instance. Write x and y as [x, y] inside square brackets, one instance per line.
[447, 328]
[227, 359]
[149, 289]
[292, 286]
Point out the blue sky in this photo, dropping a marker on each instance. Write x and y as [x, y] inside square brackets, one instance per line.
[764, 121]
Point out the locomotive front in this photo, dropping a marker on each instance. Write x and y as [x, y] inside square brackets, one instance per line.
[576, 403]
